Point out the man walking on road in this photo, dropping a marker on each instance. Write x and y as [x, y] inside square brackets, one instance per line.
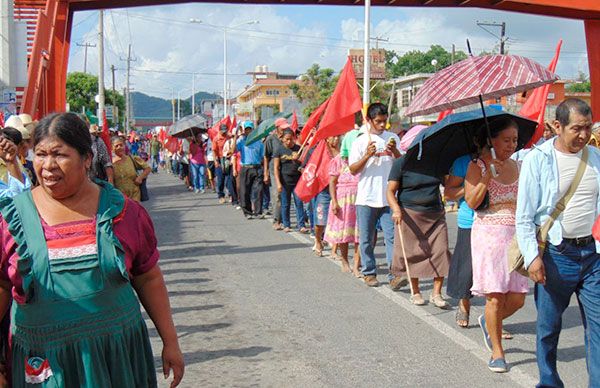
[372, 156]
[571, 261]
[222, 164]
[155, 148]
[272, 144]
[251, 175]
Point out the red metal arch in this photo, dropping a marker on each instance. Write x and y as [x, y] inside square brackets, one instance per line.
[50, 53]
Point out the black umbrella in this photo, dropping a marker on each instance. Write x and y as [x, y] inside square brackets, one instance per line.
[188, 126]
[434, 150]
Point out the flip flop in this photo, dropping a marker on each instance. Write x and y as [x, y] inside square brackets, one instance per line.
[462, 315]
[506, 335]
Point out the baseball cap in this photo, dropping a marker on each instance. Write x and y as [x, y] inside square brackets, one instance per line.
[282, 123]
[248, 124]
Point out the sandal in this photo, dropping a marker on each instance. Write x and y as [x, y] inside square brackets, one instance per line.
[462, 318]
[278, 226]
[318, 252]
[287, 230]
[417, 300]
[438, 301]
[304, 230]
[506, 335]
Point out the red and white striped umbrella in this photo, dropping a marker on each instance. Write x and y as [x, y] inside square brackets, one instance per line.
[489, 76]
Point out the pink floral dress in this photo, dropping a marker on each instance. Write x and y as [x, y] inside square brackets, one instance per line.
[492, 233]
[342, 227]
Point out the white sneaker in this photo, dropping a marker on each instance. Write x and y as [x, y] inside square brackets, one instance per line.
[196, 191]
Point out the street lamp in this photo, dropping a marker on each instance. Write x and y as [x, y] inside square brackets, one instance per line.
[225, 28]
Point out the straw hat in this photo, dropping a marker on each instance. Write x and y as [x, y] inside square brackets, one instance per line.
[17, 123]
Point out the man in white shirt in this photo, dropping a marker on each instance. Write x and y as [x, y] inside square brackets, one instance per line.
[570, 263]
[372, 156]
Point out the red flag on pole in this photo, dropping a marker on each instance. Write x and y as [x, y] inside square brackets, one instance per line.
[535, 106]
[1, 119]
[445, 113]
[315, 176]
[345, 102]
[313, 120]
[105, 133]
[294, 124]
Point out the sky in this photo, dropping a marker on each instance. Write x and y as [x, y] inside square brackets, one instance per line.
[289, 39]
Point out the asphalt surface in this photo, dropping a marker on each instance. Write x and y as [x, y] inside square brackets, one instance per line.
[255, 308]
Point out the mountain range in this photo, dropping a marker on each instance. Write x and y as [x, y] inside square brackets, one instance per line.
[155, 107]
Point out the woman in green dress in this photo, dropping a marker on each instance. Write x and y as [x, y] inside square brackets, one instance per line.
[73, 255]
[125, 170]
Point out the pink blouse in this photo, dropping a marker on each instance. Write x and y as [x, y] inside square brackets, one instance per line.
[133, 228]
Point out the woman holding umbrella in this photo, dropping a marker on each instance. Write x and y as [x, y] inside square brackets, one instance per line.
[494, 197]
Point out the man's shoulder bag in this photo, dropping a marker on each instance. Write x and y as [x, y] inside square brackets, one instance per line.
[516, 261]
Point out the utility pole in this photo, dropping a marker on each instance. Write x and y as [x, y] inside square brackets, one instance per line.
[173, 104]
[85, 46]
[114, 96]
[178, 105]
[502, 36]
[378, 39]
[453, 54]
[193, 93]
[101, 68]
[128, 89]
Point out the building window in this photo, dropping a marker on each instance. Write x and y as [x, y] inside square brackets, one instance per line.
[405, 98]
[272, 92]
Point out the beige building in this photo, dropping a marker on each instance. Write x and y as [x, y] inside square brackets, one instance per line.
[269, 94]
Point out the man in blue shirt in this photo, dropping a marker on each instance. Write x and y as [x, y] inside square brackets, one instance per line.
[251, 174]
[570, 264]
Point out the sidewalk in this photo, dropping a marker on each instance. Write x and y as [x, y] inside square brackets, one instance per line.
[254, 307]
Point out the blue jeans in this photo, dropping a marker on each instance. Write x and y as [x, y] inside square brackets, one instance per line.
[569, 269]
[286, 196]
[197, 172]
[367, 218]
[154, 162]
[220, 182]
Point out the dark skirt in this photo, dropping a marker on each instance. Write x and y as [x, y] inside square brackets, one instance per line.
[426, 245]
[460, 276]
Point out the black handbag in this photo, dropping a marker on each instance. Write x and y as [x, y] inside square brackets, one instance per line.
[144, 196]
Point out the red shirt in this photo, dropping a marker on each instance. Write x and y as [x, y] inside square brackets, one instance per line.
[218, 143]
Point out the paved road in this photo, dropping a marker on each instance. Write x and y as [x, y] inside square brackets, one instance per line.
[254, 307]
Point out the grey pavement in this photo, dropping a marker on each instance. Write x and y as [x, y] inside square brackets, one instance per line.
[254, 308]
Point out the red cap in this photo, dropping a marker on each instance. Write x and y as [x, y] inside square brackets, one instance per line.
[282, 123]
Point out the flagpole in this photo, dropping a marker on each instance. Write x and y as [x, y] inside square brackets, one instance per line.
[312, 131]
[367, 57]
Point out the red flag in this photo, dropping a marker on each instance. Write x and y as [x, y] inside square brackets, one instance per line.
[105, 133]
[233, 126]
[313, 120]
[1, 119]
[315, 176]
[535, 106]
[345, 102]
[172, 144]
[294, 124]
[214, 130]
[445, 113]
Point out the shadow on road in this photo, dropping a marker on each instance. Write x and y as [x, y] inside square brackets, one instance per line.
[208, 355]
[188, 292]
[571, 318]
[173, 271]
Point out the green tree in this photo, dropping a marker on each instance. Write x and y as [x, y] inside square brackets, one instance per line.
[82, 88]
[582, 84]
[416, 61]
[314, 87]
